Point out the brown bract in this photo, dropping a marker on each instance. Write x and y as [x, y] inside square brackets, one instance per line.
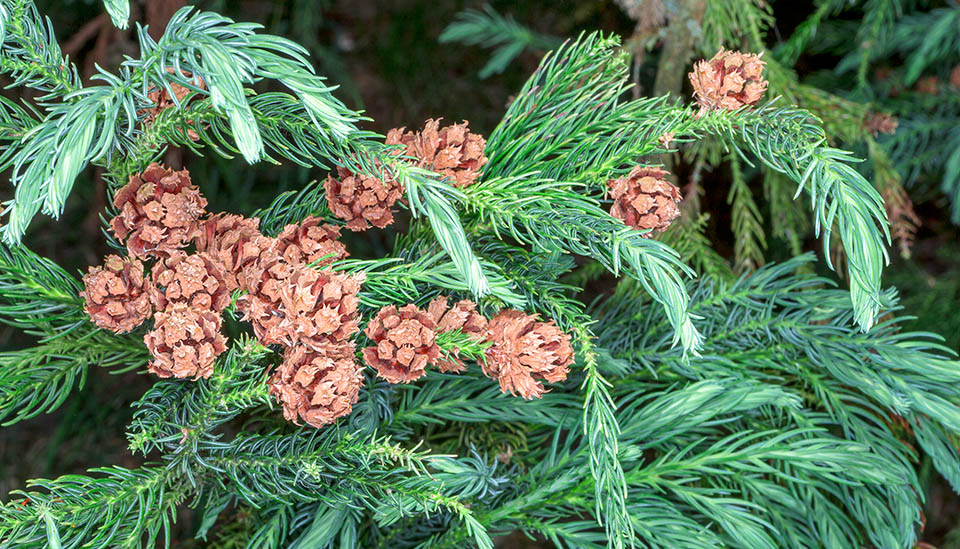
[117, 294]
[360, 200]
[404, 342]
[955, 77]
[524, 351]
[235, 243]
[315, 387]
[320, 307]
[453, 151]
[185, 342]
[644, 199]
[462, 316]
[730, 80]
[196, 280]
[158, 210]
[309, 242]
[928, 84]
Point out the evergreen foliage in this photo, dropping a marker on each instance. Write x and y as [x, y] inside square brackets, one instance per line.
[705, 409]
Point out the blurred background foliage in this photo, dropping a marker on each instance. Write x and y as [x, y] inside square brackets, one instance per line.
[857, 64]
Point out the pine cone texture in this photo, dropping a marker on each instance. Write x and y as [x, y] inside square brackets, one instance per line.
[262, 306]
[235, 243]
[195, 280]
[404, 343]
[315, 387]
[879, 122]
[309, 241]
[453, 150]
[525, 350]
[362, 201]
[158, 212]
[320, 308]
[644, 199]
[117, 294]
[185, 342]
[163, 100]
[462, 316]
[730, 80]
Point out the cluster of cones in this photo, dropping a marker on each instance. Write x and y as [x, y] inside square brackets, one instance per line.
[290, 296]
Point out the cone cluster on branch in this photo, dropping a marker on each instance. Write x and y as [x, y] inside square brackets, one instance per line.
[730, 80]
[163, 100]
[453, 151]
[362, 201]
[521, 351]
[644, 199]
[117, 294]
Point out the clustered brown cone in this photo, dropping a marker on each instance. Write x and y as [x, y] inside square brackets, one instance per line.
[159, 210]
[195, 280]
[117, 294]
[730, 80]
[360, 200]
[880, 122]
[311, 242]
[320, 308]
[317, 388]
[462, 316]
[524, 351]
[644, 199]
[163, 100]
[185, 342]
[453, 151]
[404, 343]
[235, 243]
[928, 84]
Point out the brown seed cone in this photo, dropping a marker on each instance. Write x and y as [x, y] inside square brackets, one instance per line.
[235, 243]
[879, 122]
[404, 343]
[320, 307]
[644, 199]
[361, 200]
[730, 80]
[159, 210]
[185, 342]
[315, 387]
[309, 241]
[262, 305]
[117, 294]
[461, 316]
[162, 99]
[525, 350]
[196, 280]
[955, 77]
[453, 150]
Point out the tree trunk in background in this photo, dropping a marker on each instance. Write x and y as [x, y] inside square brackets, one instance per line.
[681, 35]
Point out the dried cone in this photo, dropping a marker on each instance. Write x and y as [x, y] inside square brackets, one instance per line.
[320, 308]
[163, 100]
[309, 242]
[644, 199]
[159, 211]
[525, 350]
[404, 342]
[235, 243]
[196, 280]
[117, 294]
[185, 342]
[462, 316]
[879, 122]
[262, 305]
[730, 80]
[955, 77]
[928, 84]
[315, 387]
[361, 200]
[453, 151]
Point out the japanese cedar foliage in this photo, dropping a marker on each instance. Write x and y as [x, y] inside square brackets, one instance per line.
[772, 410]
